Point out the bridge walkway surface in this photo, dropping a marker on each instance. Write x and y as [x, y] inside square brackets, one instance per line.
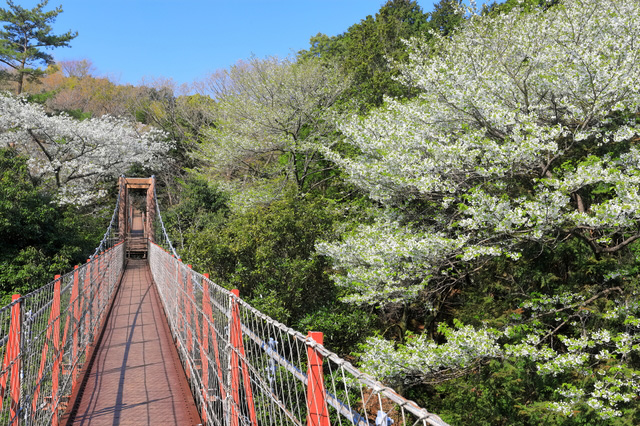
[135, 377]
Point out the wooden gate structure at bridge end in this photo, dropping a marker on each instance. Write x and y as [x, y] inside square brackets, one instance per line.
[136, 243]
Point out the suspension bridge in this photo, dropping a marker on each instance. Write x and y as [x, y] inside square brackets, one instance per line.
[136, 337]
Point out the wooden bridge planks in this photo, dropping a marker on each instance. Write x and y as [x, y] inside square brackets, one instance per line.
[136, 377]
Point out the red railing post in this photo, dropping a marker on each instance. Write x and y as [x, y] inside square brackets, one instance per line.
[208, 314]
[194, 308]
[87, 303]
[56, 350]
[204, 347]
[12, 359]
[75, 296]
[98, 296]
[180, 298]
[189, 298]
[15, 335]
[53, 333]
[176, 295]
[43, 360]
[235, 379]
[318, 414]
[238, 361]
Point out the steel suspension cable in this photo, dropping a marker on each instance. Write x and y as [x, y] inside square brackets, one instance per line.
[165, 235]
[108, 239]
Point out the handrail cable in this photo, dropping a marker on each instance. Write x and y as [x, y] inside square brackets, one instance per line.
[114, 218]
[164, 230]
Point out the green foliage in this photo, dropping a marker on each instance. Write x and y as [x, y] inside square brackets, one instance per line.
[78, 114]
[24, 211]
[267, 252]
[39, 239]
[185, 118]
[496, 393]
[202, 206]
[370, 45]
[527, 6]
[503, 392]
[344, 326]
[370, 50]
[199, 198]
[40, 98]
[446, 17]
[365, 49]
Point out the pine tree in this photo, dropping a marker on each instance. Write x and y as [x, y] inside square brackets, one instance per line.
[26, 33]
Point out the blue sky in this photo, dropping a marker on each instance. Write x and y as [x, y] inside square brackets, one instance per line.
[186, 39]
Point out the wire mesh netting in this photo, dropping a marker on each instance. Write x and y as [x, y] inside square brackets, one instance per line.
[46, 334]
[246, 368]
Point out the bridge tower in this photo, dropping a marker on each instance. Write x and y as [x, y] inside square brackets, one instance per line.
[136, 240]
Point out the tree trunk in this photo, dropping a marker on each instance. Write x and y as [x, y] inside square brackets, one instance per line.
[20, 82]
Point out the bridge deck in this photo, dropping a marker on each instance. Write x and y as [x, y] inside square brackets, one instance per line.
[136, 377]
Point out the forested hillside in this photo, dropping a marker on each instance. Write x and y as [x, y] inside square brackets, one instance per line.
[451, 196]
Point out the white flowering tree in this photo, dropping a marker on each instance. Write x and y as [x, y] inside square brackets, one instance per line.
[525, 134]
[270, 116]
[76, 157]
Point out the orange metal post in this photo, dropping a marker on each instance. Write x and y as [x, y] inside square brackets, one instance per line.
[53, 333]
[238, 361]
[43, 360]
[12, 358]
[194, 307]
[15, 337]
[204, 347]
[180, 306]
[75, 292]
[88, 300]
[98, 297]
[65, 334]
[318, 414]
[235, 379]
[188, 304]
[206, 303]
[56, 349]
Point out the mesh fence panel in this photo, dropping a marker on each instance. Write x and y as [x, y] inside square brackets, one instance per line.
[245, 368]
[45, 335]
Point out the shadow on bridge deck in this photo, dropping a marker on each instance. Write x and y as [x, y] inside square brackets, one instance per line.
[135, 377]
